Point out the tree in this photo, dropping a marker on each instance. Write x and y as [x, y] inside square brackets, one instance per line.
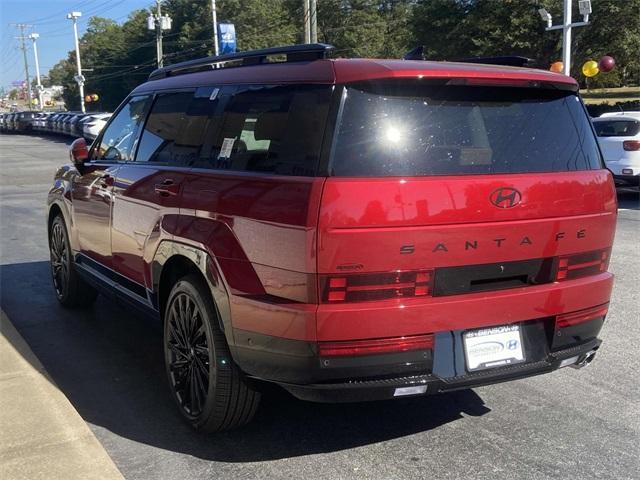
[122, 56]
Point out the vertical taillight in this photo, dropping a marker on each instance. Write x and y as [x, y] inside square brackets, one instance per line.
[376, 286]
[582, 264]
[631, 145]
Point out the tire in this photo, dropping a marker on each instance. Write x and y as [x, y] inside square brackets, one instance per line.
[208, 387]
[71, 290]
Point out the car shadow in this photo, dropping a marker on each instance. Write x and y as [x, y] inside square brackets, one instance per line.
[109, 363]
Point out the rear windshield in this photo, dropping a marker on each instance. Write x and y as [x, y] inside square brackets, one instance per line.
[394, 129]
[617, 128]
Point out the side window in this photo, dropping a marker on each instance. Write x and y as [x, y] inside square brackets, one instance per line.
[173, 132]
[273, 129]
[117, 142]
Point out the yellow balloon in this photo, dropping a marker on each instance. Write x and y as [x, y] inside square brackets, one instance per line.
[590, 68]
[556, 67]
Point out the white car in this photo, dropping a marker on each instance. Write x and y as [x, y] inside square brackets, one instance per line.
[619, 139]
[92, 128]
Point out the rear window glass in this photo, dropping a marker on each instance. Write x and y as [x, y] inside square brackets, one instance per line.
[617, 128]
[401, 128]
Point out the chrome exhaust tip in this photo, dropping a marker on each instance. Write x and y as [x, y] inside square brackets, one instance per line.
[584, 360]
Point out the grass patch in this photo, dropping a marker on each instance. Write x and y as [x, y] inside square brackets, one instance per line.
[596, 96]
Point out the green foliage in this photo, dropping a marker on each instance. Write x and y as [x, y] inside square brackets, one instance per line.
[122, 56]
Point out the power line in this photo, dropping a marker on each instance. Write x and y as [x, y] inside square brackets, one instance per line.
[62, 12]
[91, 12]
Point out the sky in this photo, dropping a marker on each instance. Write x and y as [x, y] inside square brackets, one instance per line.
[48, 19]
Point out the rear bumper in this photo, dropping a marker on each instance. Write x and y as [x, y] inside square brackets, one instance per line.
[297, 366]
[387, 388]
[627, 180]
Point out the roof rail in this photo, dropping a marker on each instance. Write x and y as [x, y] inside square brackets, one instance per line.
[294, 53]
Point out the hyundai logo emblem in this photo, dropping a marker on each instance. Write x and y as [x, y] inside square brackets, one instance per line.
[505, 197]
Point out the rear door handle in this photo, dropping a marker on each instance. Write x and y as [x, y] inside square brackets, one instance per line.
[167, 188]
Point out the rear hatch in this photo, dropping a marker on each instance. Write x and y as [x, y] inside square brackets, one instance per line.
[438, 190]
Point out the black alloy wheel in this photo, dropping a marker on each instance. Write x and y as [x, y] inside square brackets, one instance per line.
[206, 384]
[71, 290]
[59, 259]
[189, 358]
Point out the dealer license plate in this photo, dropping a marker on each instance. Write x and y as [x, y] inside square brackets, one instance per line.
[493, 347]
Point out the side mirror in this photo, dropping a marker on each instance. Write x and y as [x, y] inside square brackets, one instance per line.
[79, 152]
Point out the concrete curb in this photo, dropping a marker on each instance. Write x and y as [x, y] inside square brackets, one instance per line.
[43, 437]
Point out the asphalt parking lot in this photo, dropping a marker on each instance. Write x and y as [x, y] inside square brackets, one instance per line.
[568, 424]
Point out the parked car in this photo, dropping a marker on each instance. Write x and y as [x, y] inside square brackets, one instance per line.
[349, 229]
[94, 125]
[73, 122]
[54, 123]
[78, 127]
[2, 121]
[23, 121]
[60, 121]
[619, 139]
[51, 122]
[40, 120]
[66, 123]
[8, 120]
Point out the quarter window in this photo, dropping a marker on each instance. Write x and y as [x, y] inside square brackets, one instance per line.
[273, 129]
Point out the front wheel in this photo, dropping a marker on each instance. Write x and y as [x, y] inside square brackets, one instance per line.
[71, 290]
[210, 390]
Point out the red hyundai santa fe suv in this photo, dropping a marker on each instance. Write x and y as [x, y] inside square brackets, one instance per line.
[350, 229]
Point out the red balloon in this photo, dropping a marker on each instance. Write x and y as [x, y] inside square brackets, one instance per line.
[606, 63]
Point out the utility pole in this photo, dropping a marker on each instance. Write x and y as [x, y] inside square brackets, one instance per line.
[584, 6]
[307, 21]
[313, 20]
[23, 47]
[79, 78]
[158, 23]
[34, 37]
[216, 47]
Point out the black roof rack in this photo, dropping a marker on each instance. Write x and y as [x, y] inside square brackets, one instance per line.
[510, 61]
[294, 53]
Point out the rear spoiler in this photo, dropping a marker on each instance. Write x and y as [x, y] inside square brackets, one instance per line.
[509, 61]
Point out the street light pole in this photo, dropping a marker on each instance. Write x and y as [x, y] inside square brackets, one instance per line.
[566, 38]
[34, 37]
[214, 15]
[584, 6]
[79, 77]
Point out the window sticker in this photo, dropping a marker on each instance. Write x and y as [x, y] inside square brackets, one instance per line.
[214, 94]
[227, 147]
